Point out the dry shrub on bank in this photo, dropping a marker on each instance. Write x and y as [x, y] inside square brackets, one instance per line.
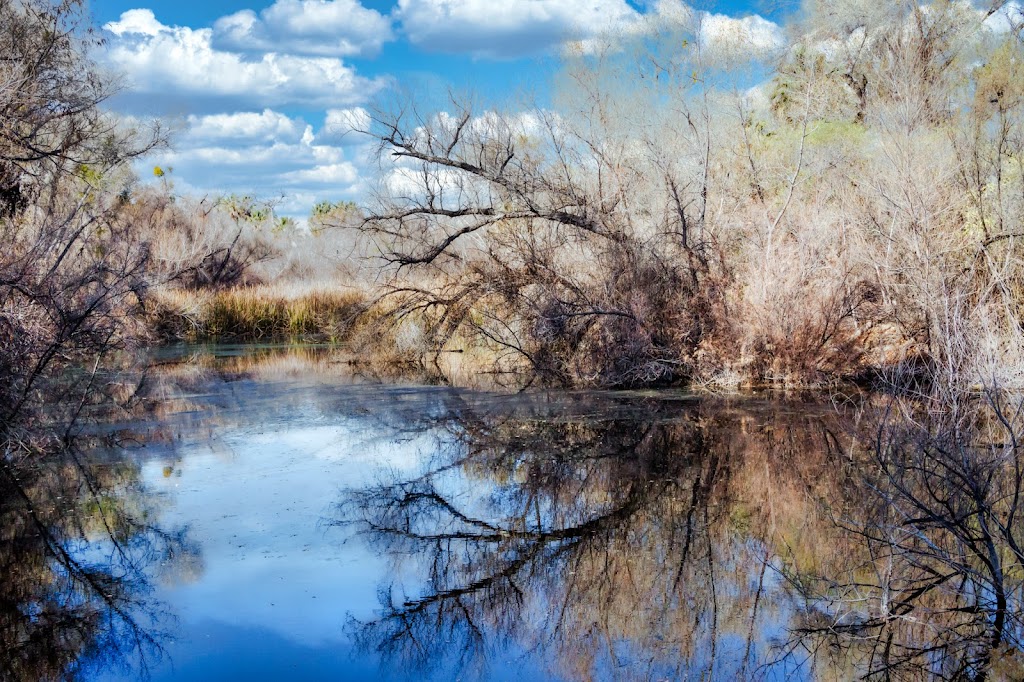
[72, 267]
[235, 241]
[200, 244]
[859, 208]
[229, 268]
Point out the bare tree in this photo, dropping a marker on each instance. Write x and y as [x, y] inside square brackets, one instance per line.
[71, 270]
[572, 247]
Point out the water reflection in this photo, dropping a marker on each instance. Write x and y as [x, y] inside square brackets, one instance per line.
[614, 536]
[570, 536]
[932, 585]
[648, 538]
[79, 551]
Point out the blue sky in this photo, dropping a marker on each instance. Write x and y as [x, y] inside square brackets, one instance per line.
[263, 91]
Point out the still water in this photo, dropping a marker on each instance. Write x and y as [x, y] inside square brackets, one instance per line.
[266, 516]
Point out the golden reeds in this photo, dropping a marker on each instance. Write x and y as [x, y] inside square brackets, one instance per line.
[257, 313]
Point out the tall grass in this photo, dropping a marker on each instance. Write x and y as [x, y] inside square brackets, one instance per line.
[257, 313]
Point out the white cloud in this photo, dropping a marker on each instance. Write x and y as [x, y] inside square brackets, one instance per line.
[266, 159]
[136, 21]
[721, 34]
[1009, 17]
[336, 174]
[508, 28]
[511, 28]
[181, 61]
[331, 28]
[345, 124]
[247, 126]
[752, 33]
[266, 154]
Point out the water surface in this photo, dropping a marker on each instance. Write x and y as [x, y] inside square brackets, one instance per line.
[267, 516]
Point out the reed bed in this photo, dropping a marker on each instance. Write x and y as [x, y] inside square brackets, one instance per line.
[257, 313]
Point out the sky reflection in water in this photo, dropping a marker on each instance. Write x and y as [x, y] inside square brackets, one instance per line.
[255, 471]
[358, 531]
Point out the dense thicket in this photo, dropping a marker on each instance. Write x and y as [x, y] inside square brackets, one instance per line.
[690, 208]
[696, 209]
[81, 245]
[71, 269]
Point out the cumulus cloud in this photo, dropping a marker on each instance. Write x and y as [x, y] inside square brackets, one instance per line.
[265, 126]
[1009, 17]
[509, 28]
[176, 60]
[752, 33]
[512, 28]
[721, 34]
[335, 174]
[137, 22]
[267, 154]
[329, 28]
[344, 124]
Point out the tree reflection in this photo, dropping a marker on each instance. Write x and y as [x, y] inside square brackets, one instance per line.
[619, 538]
[631, 543]
[933, 587]
[650, 537]
[78, 549]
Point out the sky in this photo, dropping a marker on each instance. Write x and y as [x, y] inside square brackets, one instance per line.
[263, 95]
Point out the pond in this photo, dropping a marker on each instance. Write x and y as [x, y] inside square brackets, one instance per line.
[268, 516]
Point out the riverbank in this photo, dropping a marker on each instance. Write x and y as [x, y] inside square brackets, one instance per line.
[394, 339]
[364, 334]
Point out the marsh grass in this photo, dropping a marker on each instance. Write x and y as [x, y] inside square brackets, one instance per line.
[376, 342]
[257, 313]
